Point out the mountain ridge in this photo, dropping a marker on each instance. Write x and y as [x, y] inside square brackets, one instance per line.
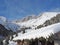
[30, 23]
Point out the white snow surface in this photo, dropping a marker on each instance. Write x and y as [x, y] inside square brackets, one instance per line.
[42, 32]
[12, 43]
[39, 21]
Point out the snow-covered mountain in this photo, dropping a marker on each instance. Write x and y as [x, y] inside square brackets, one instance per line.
[43, 32]
[8, 25]
[33, 25]
[26, 18]
[30, 21]
[7, 28]
[50, 22]
[38, 21]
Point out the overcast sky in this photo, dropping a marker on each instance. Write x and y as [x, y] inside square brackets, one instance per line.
[15, 9]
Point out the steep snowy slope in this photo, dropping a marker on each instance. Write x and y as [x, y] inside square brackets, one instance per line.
[43, 32]
[39, 21]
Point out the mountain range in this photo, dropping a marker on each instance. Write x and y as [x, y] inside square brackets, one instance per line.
[29, 22]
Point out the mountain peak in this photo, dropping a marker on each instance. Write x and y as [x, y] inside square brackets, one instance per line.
[2, 18]
[26, 18]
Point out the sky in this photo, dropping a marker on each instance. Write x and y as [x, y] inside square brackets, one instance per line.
[16, 9]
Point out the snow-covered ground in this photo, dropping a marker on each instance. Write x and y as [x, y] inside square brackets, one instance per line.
[12, 43]
[43, 32]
